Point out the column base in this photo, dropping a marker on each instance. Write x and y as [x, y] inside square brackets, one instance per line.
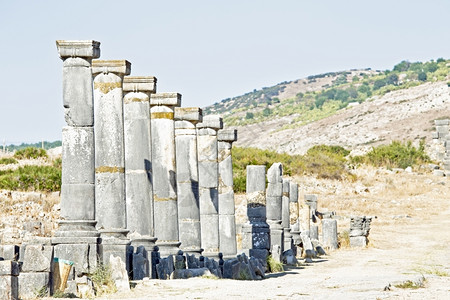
[288, 242]
[276, 235]
[167, 248]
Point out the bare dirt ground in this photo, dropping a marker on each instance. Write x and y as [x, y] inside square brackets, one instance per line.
[409, 240]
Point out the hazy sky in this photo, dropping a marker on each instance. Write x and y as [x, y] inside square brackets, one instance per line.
[205, 50]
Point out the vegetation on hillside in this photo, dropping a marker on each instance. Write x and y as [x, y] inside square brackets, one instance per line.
[394, 155]
[47, 145]
[346, 88]
[324, 161]
[321, 161]
[30, 153]
[31, 178]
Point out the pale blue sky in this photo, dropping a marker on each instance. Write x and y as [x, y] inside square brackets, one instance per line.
[205, 50]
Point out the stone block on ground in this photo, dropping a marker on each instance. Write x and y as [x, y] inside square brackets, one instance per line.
[189, 273]
[165, 267]
[9, 287]
[9, 268]
[289, 258]
[37, 258]
[33, 284]
[358, 241]
[119, 273]
[140, 264]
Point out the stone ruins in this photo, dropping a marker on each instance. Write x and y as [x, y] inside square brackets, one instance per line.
[147, 188]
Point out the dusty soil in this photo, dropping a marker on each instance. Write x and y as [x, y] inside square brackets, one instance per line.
[409, 240]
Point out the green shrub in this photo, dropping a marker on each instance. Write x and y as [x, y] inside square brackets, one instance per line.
[7, 161]
[322, 161]
[30, 153]
[274, 266]
[395, 155]
[103, 281]
[31, 178]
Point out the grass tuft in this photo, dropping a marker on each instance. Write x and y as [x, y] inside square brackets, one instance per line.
[274, 266]
[102, 279]
[409, 284]
[7, 161]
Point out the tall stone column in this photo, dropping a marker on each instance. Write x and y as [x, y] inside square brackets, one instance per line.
[311, 202]
[294, 217]
[76, 232]
[110, 205]
[208, 180]
[162, 107]
[186, 119]
[138, 166]
[227, 220]
[274, 199]
[285, 215]
[256, 232]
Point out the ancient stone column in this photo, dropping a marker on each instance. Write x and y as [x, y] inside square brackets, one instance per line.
[256, 232]
[186, 119]
[162, 107]
[294, 213]
[208, 180]
[329, 234]
[227, 221]
[285, 215]
[109, 144]
[273, 201]
[311, 201]
[138, 166]
[76, 230]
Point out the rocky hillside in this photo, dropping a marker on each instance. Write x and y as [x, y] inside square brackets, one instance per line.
[355, 109]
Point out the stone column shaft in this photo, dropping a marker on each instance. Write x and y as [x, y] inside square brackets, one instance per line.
[164, 171]
[138, 171]
[76, 230]
[208, 176]
[187, 177]
[285, 215]
[227, 220]
[274, 204]
[109, 143]
[294, 213]
[256, 237]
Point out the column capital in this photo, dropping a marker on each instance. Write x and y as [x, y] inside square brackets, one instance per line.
[77, 48]
[227, 135]
[191, 114]
[166, 99]
[212, 121]
[120, 67]
[145, 84]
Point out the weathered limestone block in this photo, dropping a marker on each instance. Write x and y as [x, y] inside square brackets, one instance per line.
[189, 273]
[9, 287]
[110, 205]
[137, 138]
[187, 177]
[9, 252]
[31, 283]
[84, 256]
[38, 258]
[329, 234]
[9, 267]
[358, 241]
[164, 171]
[165, 267]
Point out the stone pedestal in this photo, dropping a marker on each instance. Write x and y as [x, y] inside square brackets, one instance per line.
[256, 233]
[187, 178]
[77, 225]
[208, 176]
[162, 107]
[227, 221]
[274, 204]
[138, 170]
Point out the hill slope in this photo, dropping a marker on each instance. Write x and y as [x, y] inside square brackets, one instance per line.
[355, 109]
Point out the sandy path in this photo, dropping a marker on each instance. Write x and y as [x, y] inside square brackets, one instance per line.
[401, 253]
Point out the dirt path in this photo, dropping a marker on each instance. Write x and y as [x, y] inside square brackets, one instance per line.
[402, 249]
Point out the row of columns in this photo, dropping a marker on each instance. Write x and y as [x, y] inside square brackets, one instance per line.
[149, 170]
